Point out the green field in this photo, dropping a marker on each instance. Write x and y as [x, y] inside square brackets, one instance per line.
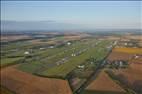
[48, 58]
[45, 62]
[98, 52]
[10, 61]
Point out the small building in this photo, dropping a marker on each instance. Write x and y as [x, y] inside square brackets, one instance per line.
[92, 62]
[51, 47]
[41, 48]
[73, 54]
[26, 53]
[120, 63]
[68, 43]
[81, 66]
[115, 43]
[125, 44]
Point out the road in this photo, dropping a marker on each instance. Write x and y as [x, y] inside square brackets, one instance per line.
[93, 76]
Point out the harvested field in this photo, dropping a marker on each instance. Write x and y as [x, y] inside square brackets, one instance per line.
[136, 37]
[14, 37]
[24, 83]
[104, 83]
[112, 37]
[129, 50]
[132, 73]
[119, 56]
[37, 41]
[72, 37]
[131, 77]
[139, 60]
[124, 53]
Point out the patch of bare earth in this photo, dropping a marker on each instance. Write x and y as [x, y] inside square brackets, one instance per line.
[14, 37]
[104, 83]
[24, 83]
[119, 56]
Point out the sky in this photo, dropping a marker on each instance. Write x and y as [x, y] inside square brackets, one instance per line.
[91, 14]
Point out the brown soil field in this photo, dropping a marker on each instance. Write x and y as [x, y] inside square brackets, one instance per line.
[140, 43]
[14, 37]
[38, 41]
[137, 37]
[72, 37]
[132, 74]
[124, 53]
[112, 38]
[104, 83]
[76, 36]
[119, 56]
[128, 50]
[24, 83]
[138, 60]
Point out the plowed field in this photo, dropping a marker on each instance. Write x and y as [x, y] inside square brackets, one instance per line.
[24, 83]
[104, 83]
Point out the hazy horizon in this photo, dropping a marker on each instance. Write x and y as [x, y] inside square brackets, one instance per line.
[70, 15]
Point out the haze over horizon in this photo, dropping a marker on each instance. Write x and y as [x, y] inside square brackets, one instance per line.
[70, 15]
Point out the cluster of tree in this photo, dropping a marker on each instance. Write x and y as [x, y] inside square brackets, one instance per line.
[136, 86]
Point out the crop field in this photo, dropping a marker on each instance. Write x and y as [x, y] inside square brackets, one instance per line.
[138, 60]
[98, 52]
[119, 56]
[65, 64]
[50, 57]
[104, 85]
[20, 83]
[14, 37]
[131, 76]
[44, 63]
[133, 72]
[124, 53]
[10, 61]
[129, 50]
